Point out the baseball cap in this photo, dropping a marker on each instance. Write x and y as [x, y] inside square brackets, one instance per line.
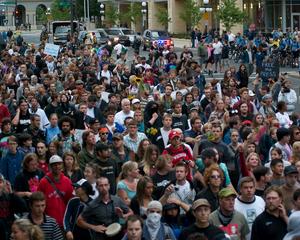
[200, 202]
[135, 100]
[267, 96]
[174, 133]
[226, 192]
[289, 170]
[79, 82]
[55, 159]
[155, 204]
[117, 136]
[94, 121]
[85, 185]
[251, 93]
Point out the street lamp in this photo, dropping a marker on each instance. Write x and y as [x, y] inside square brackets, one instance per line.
[206, 8]
[48, 14]
[102, 12]
[144, 12]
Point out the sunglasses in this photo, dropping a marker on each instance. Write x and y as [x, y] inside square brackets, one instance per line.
[106, 133]
[215, 176]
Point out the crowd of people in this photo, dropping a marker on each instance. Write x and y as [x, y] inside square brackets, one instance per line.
[96, 146]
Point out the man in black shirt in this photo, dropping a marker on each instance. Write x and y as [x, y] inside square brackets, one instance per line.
[262, 176]
[272, 223]
[201, 211]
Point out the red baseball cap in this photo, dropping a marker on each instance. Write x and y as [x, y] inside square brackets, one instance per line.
[174, 133]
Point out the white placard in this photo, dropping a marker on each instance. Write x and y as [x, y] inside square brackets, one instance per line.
[51, 49]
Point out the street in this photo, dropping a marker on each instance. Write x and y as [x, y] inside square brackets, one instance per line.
[293, 74]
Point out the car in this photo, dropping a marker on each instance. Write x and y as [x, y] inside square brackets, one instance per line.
[60, 36]
[117, 35]
[104, 38]
[160, 37]
[100, 39]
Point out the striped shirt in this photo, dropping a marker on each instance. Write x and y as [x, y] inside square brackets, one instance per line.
[49, 227]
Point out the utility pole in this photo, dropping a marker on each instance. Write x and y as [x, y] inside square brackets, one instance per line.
[16, 7]
[72, 17]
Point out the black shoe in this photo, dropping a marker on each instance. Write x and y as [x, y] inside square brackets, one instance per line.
[216, 71]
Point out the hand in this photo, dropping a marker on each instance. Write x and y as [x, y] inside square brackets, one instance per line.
[282, 211]
[155, 115]
[28, 194]
[69, 235]
[240, 148]
[119, 212]
[191, 164]
[198, 138]
[169, 190]
[99, 228]
[174, 200]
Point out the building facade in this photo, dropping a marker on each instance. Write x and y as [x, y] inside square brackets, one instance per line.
[267, 15]
[22, 12]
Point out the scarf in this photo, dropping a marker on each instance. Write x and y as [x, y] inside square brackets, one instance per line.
[225, 220]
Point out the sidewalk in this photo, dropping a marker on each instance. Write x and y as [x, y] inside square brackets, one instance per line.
[180, 42]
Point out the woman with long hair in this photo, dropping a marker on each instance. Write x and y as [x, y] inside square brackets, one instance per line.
[141, 150]
[147, 165]
[27, 181]
[247, 166]
[23, 229]
[143, 196]
[71, 167]
[91, 173]
[126, 187]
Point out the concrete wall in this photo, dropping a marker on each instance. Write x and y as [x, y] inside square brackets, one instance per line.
[177, 25]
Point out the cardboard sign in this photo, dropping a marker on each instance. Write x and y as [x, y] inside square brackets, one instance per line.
[51, 49]
[269, 70]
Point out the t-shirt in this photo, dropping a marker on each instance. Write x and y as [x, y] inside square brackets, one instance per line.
[267, 226]
[250, 210]
[237, 226]
[211, 232]
[160, 182]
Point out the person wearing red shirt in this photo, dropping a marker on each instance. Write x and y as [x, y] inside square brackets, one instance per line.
[179, 151]
[57, 189]
[4, 112]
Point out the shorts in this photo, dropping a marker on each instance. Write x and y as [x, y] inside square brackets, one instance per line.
[217, 58]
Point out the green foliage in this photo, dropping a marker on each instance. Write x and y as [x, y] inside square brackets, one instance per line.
[60, 10]
[41, 16]
[230, 14]
[163, 16]
[190, 14]
[133, 14]
[111, 14]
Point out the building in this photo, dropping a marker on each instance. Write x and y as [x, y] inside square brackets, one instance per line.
[267, 15]
[22, 12]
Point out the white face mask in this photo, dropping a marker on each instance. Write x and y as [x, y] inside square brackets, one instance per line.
[153, 219]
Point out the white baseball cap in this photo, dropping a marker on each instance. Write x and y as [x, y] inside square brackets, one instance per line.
[55, 159]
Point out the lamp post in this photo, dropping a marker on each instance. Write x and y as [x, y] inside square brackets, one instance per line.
[144, 12]
[206, 8]
[102, 13]
[48, 14]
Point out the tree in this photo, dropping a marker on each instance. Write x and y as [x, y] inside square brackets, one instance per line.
[60, 10]
[111, 14]
[163, 17]
[134, 13]
[41, 16]
[230, 14]
[190, 14]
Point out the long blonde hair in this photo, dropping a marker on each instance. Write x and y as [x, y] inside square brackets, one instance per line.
[33, 231]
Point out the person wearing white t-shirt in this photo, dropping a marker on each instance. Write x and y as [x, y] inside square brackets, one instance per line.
[247, 203]
[217, 46]
[124, 113]
[106, 73]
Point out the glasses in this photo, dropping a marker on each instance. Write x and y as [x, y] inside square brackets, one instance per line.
[106, 133]
[215, 176]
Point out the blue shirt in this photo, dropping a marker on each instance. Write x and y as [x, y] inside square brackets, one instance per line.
[51, 132]
[11, 165]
